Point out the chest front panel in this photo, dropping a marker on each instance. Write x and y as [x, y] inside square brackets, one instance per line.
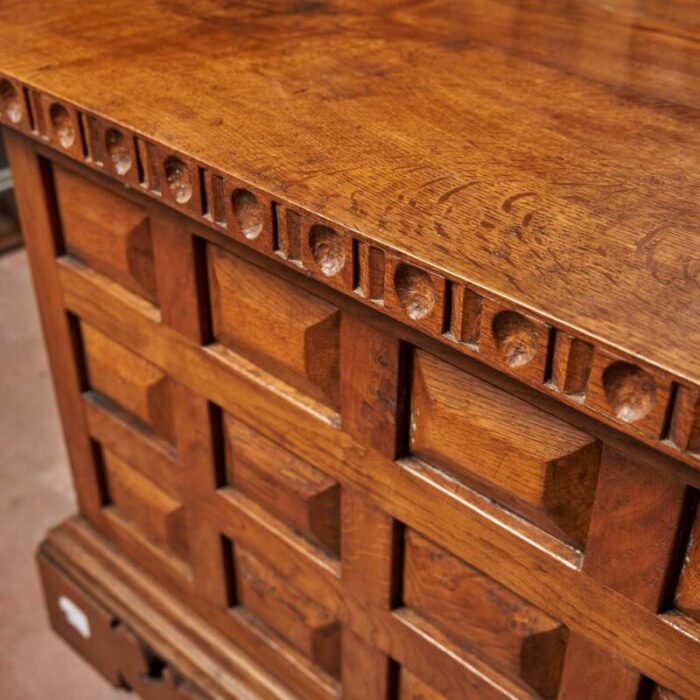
[363, 511]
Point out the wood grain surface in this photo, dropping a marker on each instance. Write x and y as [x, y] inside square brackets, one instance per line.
[373, 330]
[545, 151]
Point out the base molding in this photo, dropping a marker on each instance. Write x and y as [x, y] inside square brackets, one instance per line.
[134, 631]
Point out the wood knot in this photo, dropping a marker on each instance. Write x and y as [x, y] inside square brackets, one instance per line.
[118, 151]
[62, 124]
[415, 290]
[327, 249]
[248, 213]
[179, 179]
[516, 338]
[630, 391]
[10, 103]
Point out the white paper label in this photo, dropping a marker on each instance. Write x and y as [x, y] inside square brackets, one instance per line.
[75, 616]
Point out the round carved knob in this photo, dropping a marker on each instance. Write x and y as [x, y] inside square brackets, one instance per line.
[10, 103]
[248, 213]
[327, 249]
[516, 337]
[415, 290]
[118, 151]
[62, 124]
[179, 178]
[630, 391]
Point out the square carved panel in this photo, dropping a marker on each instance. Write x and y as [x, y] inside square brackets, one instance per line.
[291, 489]
[128, 381]
[532, 462]
[106, 232]
[287, 331]
[267, 600]
[157, 515]
[480, 615]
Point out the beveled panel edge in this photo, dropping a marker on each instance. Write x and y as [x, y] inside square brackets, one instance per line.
[594, 376]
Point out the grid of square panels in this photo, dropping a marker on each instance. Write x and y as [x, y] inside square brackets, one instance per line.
[219, 456]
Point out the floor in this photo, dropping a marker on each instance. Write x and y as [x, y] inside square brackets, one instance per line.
[35, 494]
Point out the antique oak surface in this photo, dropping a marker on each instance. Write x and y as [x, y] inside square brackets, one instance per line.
[374, 329]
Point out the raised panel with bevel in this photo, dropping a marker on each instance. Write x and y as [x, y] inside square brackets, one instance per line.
[480, 614]
[284, 329]
[155, 513]
[529, 460]
[287, 486]
[300, 620]
[106, 232]
[132, 383]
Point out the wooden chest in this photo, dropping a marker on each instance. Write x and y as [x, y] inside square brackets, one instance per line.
[379, 380]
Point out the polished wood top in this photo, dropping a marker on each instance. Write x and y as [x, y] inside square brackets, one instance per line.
[547, 151]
